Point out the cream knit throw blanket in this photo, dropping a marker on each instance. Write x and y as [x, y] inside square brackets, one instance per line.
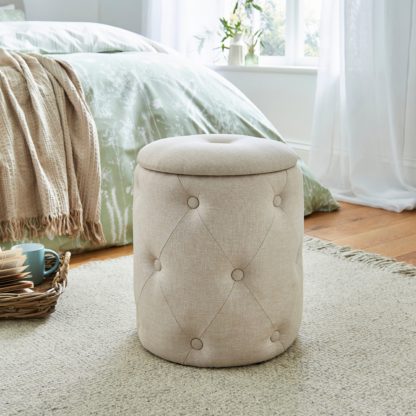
[49, 153]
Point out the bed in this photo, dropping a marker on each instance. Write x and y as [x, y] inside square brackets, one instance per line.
[139, 91]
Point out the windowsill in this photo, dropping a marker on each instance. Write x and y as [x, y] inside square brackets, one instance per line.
[267, 69]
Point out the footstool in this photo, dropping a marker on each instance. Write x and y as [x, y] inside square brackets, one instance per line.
[218, 231]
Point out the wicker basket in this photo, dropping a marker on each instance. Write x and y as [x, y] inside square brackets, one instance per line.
[42, 300]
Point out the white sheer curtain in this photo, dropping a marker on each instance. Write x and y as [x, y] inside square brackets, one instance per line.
[179, 24]
[364, 134]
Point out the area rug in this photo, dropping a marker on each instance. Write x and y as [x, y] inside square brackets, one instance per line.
[355, 354]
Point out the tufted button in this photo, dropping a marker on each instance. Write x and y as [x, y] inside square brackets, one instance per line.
[275, 336]
[237, 274]
[277, 200]
[193, 202]
[196, 344]
[157, 265]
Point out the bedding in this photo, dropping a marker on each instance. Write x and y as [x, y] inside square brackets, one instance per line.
[10, 14]
[49, 154]
[69, 37]
[139, 91]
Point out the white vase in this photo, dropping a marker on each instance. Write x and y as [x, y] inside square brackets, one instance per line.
[236, 51]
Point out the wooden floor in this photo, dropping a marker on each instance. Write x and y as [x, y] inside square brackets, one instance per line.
[108, 253]
[369, 229]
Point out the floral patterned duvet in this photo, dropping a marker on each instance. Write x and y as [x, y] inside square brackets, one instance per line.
[137, 96]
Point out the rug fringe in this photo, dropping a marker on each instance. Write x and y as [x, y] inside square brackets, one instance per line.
[384, 263]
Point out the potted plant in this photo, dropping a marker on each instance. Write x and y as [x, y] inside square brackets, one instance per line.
[233, 31]
[253, 39]
[238, 25]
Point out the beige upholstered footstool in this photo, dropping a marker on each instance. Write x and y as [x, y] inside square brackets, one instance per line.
[218, 231]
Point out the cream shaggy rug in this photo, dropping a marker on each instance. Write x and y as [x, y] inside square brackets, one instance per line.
[355, 355]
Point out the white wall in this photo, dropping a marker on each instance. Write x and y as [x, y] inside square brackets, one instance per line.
[285, 96]
[122, 13]
[64, 10]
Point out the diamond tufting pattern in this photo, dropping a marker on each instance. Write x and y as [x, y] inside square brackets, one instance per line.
[218, 265]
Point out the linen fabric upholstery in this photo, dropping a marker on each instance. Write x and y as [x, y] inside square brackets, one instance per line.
[218, 259]
[217, 155]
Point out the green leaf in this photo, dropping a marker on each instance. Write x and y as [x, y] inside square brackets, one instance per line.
[235, 7]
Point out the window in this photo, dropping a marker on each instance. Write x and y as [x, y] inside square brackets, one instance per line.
[291, 32]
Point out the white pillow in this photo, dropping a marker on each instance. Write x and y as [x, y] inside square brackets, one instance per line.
[11, 15]
[7, 7]
[72, 37]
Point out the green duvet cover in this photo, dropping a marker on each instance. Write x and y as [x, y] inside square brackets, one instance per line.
[139, 96]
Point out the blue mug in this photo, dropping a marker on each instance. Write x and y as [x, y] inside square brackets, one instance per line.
[35, 259]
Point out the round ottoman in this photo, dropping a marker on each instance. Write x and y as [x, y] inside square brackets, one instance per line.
[218, 232]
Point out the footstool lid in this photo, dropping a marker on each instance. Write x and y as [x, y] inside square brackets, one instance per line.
[217, 155]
